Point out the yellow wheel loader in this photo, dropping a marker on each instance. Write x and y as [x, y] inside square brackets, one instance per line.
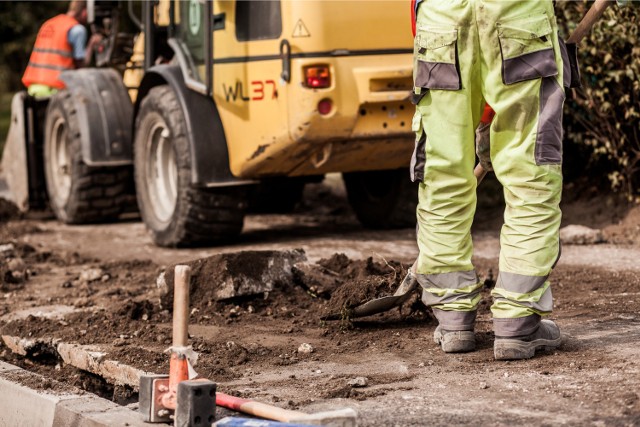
[206, 105]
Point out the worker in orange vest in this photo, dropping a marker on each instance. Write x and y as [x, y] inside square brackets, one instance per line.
[59, 46]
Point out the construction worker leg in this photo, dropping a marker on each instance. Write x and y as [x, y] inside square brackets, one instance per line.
[449, 108]
[523, 84]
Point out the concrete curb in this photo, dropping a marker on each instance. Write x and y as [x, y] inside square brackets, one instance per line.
[90, 358]
[25, 406]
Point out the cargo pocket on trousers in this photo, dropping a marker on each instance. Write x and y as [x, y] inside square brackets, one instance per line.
[527, 51]
[436, 65]
[419, 156]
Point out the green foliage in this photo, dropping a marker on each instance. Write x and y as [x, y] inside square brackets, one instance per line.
[19, 24]
[605, 113]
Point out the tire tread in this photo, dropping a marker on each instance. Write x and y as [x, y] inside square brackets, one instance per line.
[92, 188]
[203, 215]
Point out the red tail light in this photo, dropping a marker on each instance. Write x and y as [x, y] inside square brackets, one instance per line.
[317, 76]
[325, 106]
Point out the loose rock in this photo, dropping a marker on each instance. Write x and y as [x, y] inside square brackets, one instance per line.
[358, 382]
[91, 274]
[580, 235]
[305, 348]
[16, 264]
[7, 250]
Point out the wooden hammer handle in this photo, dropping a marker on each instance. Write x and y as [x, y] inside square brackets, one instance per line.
[257, 409]
[181, 281]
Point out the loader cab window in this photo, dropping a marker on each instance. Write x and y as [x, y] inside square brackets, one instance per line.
[192, 27]
[258, 20]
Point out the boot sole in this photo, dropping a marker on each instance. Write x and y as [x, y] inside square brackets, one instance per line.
[456, 342]
[507, 349]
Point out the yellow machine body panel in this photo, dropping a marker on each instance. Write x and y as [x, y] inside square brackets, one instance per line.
[273, 127]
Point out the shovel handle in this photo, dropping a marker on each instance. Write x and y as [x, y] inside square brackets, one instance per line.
[594, 13]
[479, 172]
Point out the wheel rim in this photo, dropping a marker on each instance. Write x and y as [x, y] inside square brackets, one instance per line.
[162, 172]
[60, 162]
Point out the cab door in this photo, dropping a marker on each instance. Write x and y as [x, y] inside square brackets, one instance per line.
[247, 85]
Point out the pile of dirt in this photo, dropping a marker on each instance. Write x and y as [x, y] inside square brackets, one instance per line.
[274, 346]
[260, 281]
[363, 280]
[233, 275]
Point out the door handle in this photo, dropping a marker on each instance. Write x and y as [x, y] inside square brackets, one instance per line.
[285, 55]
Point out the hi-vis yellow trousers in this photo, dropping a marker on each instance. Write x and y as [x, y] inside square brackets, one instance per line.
[504, 53]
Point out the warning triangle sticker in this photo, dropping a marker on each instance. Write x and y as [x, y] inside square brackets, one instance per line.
[300, 30]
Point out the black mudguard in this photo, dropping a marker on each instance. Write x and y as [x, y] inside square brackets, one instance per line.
[208, 145]
[105, 115]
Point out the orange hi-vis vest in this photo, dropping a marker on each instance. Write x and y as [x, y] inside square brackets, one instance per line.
[51, 54]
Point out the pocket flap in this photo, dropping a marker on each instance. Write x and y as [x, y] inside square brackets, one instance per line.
[437, 39]
[525, 28]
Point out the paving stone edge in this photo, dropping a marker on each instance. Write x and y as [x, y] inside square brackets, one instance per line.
[26, 406]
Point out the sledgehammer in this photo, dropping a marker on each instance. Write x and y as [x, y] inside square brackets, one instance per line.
[197, 399]
[178, 366]
[164, 398]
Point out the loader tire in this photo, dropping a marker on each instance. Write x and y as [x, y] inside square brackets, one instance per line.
[79, 193]
[382, 199]
[175, 212]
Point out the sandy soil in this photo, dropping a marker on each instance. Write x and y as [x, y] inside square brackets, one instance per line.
[97, 285]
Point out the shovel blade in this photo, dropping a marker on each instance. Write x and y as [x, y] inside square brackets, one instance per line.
[382, 304]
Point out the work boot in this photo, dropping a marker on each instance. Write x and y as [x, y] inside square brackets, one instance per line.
[546, 337]
[454, 341]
